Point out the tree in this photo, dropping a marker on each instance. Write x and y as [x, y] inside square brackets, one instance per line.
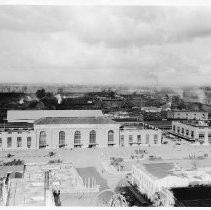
[40, 93]
[24, 89]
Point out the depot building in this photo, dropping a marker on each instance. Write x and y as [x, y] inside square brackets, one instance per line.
[36, 129]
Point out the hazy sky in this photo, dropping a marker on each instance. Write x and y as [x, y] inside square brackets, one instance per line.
[105, 45]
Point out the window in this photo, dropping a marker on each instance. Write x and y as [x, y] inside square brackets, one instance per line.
[110, 137]
[9, 132]
[178, 130]
[147, 138]
[61, 138]
[19, 142]
[122, 143]
[201, 136]
[77, 138]
[92, 137]
[187, 132]
[42, 140]
[130, 139]
[174, 128]
[9, 142]
[182, 130]
[209, 138]
[192, 134]
[0, 142]
[155, 138]
[29, 141]
[139, 139]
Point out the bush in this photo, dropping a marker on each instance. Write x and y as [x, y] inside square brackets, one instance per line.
[116, 161]
[14, 163]
[55, 161]
[9, 155]
[51, 154]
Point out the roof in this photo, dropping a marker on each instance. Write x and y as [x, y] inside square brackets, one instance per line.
[195, 123]
[157, 170]
[177, 110]
[16, 125]
[32, 115]
[74, 120]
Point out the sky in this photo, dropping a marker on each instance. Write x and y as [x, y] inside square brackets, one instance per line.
[108, 45]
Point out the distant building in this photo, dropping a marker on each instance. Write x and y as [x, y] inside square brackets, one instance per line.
[186, 114]
[151, 109]
[197, 131]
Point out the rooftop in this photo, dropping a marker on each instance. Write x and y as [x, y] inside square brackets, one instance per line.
[195, 123]
[157, 170]
[16, 125]
[74, 120]
[137, 126]
[32, 115]
[177, 110]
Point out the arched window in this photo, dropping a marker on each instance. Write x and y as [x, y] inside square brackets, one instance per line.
[147, 138]
[61, 138]
[92, 137]
[77, 138]
[42, 139]
[110, 137]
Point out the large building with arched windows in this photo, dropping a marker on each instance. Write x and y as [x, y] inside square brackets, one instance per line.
[72, 129]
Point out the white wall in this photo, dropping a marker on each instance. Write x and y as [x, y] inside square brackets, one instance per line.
[14, 135]
[52, 132]
[195, 129]
[143, 132]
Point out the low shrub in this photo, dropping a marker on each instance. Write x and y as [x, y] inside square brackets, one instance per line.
[55, 161]
[9, 155]
[51, 154]
[14, 163]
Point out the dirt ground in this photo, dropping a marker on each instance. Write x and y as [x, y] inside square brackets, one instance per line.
[93, 157]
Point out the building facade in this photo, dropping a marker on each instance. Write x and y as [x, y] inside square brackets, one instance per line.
[186, 114]
[73, 132]
[76, 132]
[139, 136]
[197, 131]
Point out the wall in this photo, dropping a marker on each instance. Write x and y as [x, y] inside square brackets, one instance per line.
[52, 132]
[143, 132]
[149, 187]
[196, 130]
[14, 135]
[187, 115]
